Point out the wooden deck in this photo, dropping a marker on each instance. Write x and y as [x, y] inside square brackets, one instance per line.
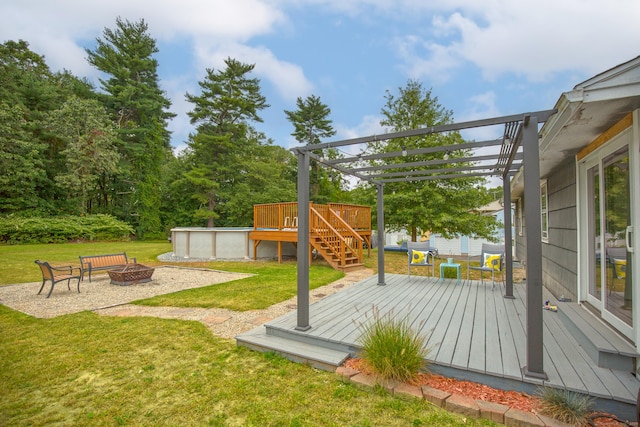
[473, 333]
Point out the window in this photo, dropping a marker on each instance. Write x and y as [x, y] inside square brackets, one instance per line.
[544, 211]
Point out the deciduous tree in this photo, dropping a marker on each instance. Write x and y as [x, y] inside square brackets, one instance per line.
[89, 149]
[441, 206]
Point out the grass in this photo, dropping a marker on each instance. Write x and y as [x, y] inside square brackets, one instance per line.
[271, 282]
[17, 261]
[88, 370]
[85, 369]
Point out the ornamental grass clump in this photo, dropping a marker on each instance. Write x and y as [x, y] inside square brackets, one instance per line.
[392, 349]
[564, 405]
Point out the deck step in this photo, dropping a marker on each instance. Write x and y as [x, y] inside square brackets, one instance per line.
[321, 358]
[605, 347]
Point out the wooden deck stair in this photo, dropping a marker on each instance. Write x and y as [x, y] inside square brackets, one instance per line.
[335, 240]
[351, 260]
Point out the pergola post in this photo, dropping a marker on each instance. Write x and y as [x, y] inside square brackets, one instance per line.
[303, 241]
[535, 350]
[508, 237]
[380, 224]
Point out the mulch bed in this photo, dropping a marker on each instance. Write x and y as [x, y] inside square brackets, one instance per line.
[513, 399]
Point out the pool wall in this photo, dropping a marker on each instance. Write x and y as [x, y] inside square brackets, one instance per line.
[222, 243]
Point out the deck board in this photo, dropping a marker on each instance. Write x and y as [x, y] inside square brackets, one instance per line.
[462, 350]
[494, 360]
[468, 327]
[478, 354]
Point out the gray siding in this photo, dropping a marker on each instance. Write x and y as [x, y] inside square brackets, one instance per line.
[559, 254]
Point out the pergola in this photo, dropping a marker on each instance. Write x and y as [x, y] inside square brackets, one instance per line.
[520, 131]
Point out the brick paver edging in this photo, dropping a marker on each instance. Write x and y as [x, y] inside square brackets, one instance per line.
[454, 402]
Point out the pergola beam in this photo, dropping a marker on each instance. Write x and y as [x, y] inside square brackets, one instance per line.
[417, 151]
[437, 177]
[542, 116]
[425, 163]
[434, 171]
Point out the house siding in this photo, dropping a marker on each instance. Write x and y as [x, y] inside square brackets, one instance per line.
[560, 253]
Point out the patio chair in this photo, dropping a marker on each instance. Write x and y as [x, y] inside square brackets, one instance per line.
[58, 274]
[420, 254]
[491, 260]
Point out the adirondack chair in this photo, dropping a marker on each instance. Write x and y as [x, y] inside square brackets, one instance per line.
[58, 274]
[420, 254]
[491, 260]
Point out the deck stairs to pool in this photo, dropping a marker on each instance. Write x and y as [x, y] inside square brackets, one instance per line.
[332, 237]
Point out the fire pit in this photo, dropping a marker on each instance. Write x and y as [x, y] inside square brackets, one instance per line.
[130, 274]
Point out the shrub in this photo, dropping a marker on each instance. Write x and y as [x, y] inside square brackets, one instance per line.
[391, 348]
[61, 229]
[564, 405]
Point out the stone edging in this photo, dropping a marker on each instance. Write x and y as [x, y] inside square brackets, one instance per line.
[454, 402]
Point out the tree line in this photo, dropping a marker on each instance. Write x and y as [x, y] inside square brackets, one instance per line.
[69, 148]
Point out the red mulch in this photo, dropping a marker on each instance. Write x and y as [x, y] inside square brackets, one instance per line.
[513, 399]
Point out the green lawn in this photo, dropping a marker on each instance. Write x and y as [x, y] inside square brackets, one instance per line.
[17, 261]
[85, 369]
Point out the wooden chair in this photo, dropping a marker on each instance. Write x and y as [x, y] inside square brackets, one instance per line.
[57, 274]
[491, 260]
[420, 254]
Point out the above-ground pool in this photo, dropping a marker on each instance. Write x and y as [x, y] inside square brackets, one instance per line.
[222, 243]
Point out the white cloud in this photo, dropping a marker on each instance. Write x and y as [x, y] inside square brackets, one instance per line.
[535, 41]
[369, 125]
[56, 28]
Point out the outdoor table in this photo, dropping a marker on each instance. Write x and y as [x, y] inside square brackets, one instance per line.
[449, 264]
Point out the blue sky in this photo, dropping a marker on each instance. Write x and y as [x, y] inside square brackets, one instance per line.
[481, 59]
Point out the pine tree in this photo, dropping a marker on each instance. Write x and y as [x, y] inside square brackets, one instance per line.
[228, 103]
[139, 109]
[311, 124]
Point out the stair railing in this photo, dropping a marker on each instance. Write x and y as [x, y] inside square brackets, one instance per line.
[336, 243]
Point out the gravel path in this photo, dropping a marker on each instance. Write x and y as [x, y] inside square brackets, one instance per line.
[227, 323]
[112, 300]
[100, 293]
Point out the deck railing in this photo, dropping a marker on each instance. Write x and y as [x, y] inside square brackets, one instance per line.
[357, 216]
[278, 216]
[284, 216]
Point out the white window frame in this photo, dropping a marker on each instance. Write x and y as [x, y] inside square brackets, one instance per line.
[544, 211]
